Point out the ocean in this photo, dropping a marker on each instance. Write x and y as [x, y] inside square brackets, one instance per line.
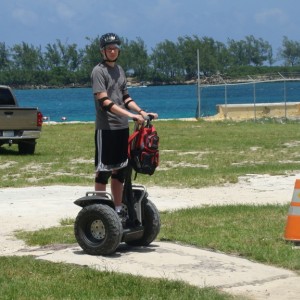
[173, 101]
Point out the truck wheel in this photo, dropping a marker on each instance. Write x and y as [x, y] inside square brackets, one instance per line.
[26, 147]
[98, 229]
[151, 223]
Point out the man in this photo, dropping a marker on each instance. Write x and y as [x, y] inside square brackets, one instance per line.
[114, 107]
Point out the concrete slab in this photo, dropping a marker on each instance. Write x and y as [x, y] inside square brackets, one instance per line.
[40, 207]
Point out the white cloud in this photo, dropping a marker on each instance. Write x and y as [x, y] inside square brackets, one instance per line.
[41, 21]
[274, 14]
[26, 17]
[64, 11]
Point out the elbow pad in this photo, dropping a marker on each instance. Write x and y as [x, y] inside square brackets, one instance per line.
[101, 101]
[126, 97]
[126, 104]
[108, 107]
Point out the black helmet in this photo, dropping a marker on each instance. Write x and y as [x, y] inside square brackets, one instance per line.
[108, 39]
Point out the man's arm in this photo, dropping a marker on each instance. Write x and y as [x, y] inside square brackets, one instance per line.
[109, 105]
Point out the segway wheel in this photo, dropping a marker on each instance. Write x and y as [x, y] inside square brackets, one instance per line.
[151, 223]
[98, 229]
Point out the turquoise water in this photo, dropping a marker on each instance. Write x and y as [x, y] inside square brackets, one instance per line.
[178, 101]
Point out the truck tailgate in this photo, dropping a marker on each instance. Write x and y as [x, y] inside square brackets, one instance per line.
[18, 118]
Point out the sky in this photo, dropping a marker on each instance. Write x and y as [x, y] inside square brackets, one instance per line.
[42, 22]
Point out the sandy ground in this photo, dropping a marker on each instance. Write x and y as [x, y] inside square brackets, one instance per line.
[40, 207]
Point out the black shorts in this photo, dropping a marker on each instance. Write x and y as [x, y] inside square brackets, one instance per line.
[111, 149]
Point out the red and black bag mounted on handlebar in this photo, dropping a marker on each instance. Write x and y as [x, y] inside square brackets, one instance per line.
[143, 150]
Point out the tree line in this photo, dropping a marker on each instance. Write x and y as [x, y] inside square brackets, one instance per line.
[63, 64]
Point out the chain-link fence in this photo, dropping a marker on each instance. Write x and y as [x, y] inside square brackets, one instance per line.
[262, 96]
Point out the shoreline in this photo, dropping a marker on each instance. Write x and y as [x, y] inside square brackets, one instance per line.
[90, 122]
[205, 81]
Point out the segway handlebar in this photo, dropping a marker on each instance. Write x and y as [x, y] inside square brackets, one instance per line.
[149, 117]
[146, 118]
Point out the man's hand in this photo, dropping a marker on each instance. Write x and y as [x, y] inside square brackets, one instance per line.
[154, 115]
[138, 118]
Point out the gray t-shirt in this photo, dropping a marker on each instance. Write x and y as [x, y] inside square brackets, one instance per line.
[111, 80]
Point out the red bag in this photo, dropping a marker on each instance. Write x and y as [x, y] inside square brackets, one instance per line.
[143, 150]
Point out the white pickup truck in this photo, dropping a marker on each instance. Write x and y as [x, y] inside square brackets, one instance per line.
[18, 125]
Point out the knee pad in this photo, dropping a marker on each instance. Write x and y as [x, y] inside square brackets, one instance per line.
[102, 177]
[119, 175]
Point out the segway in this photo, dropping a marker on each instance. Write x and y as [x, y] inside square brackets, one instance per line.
[99, 229]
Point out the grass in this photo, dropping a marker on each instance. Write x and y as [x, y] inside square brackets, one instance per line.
[192, 154]
[253, 232]
[28, 278]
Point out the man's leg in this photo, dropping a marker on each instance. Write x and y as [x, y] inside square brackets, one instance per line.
[101, 180]
[117, 191]
[100, 187]
[117, 183]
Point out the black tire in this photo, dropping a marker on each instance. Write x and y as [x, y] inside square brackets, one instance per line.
[27, 147]
[151, 223]
[98, 229]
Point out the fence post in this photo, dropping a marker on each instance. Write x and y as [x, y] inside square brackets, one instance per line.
[284, 95]
[254, 97]
[225, 92]
[198, 113]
